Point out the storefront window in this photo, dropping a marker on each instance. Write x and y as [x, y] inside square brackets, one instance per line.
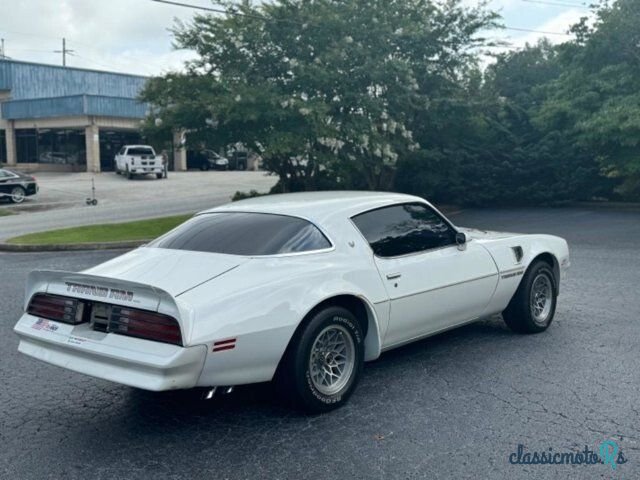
[58, 146]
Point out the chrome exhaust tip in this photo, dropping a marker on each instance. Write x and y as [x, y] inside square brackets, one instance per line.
[211, 392]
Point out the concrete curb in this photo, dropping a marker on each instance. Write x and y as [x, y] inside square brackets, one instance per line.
[617, 206]
[9, 247]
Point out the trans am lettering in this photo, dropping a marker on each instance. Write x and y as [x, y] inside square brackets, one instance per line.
[121, 295]
[102, 292]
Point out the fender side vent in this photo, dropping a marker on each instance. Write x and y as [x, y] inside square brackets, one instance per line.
[518, 253]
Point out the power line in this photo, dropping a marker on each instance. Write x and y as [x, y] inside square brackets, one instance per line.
[109, 68]
[65, 51]
[230, 12]
[536, 31]
[558, 4]
[31, 50]
[195, 7]
[29, 34]
[69, 51]
[103, 65]
[222, 10]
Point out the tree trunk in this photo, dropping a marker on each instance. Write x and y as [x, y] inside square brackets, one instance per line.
[387, 178]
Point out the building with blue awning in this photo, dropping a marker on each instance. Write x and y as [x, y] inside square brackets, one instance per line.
[67, 119]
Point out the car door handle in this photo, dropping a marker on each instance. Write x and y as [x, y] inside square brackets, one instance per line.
[393, 276]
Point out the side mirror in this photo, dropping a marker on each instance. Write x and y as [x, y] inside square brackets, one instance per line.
[461, 240]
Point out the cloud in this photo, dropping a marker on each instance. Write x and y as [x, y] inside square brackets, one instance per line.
[133, 35]
[120, 35]
[559, 24]
[557, 28]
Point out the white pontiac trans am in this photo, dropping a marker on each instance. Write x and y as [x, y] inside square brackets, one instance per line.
[300, 288]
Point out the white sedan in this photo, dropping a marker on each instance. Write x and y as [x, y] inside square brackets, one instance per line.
[300, 288]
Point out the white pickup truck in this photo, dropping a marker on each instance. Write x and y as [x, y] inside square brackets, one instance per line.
[139, 160]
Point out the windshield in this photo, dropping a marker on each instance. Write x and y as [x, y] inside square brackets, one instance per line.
[246, 234]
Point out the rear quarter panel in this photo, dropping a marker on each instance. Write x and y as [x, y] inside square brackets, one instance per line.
[261, 303]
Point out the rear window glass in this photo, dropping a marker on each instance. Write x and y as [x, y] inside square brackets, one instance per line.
[140, 151]
[244, 234]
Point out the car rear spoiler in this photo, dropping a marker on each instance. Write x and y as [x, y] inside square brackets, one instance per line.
[103, 289]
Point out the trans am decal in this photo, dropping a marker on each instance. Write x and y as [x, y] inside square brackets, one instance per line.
[101, 292]
[513, 274]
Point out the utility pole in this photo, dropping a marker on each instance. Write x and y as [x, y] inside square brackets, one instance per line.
[65, 51]
[2, 48]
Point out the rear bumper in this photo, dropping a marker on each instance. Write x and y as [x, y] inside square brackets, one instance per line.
[149, 169]
[130, 361]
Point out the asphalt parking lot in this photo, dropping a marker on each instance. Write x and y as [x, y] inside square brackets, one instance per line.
[452, 406]
[61, 199]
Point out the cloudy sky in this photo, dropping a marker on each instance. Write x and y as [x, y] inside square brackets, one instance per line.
[132, 36]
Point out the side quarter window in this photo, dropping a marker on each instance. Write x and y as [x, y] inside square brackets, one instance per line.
[404, 229]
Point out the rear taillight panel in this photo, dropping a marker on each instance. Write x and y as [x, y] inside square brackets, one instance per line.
[143, 324]
[57, 307]
[107, 318]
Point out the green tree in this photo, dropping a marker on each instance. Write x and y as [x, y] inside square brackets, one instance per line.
[596, 99]
[487, 150]
[331, 92]
[533, 163]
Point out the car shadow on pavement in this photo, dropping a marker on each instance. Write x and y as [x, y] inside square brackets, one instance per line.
[426, 382]
[190, 406]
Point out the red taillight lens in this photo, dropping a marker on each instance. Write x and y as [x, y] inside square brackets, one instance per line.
[142, 324]
[54, 307]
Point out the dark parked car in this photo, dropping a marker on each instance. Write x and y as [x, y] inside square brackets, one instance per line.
[208, 159]
[15, 186]
[214, 161]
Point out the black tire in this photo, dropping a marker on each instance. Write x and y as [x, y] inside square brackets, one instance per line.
[519, 314]
[17, 195]
[294, 379]
[159, 176]
[205, 166]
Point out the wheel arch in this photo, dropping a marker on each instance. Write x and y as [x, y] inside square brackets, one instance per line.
[552, 261]
[361, 308]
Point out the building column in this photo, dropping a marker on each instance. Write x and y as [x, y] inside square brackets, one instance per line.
[92, 141]
[179, 151]
[10, 141]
